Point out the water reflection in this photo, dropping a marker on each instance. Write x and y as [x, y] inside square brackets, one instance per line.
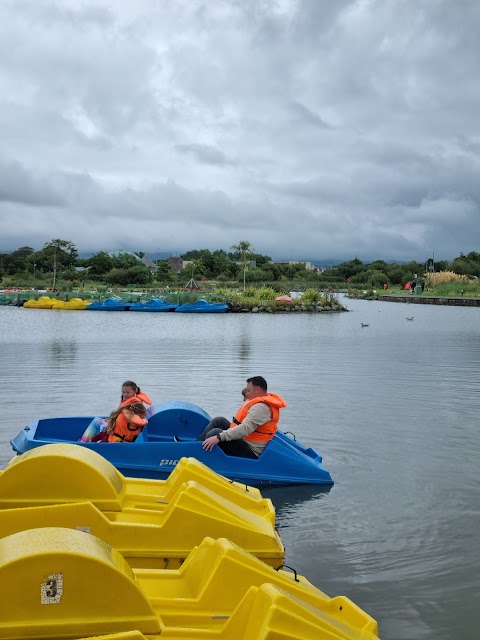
[288, 500]
[62, 352]
[244, 346]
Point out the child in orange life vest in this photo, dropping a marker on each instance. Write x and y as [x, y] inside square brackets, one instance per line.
[126, 423]
[131, 392]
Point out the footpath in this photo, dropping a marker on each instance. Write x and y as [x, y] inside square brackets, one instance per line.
[459, 301]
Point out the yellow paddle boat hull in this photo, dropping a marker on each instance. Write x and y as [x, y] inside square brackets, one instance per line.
[44, 302]
[62, 473]
[75, 304]
[59, 583]
[87, 493]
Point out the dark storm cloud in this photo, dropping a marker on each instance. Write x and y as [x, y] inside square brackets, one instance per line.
[308, 127]
[18, 186]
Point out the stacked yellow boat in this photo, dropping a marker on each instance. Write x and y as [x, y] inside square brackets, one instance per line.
[151, 522]
[45, 302]
[75, 304]
[86, 552]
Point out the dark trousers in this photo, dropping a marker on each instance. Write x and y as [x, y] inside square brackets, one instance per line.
[237, 448]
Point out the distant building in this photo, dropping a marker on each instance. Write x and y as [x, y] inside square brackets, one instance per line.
[176, 263]
[309, 266]
[149, 263]
[120, 253]
[250, 264]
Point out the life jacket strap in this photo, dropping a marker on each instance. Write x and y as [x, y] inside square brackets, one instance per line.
[235, 421]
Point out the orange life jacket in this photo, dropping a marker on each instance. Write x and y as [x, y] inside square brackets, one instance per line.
[139, 397]
[127, 428]
[266, 431]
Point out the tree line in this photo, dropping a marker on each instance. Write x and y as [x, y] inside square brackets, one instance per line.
[58, 260]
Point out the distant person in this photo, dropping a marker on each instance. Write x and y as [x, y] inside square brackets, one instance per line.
[253, 426]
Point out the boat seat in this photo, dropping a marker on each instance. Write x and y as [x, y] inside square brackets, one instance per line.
[176, 418]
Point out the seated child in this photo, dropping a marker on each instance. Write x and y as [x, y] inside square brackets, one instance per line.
[130, 393]
[126, 423]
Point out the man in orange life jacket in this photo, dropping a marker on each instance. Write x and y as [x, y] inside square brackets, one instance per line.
[253, 426]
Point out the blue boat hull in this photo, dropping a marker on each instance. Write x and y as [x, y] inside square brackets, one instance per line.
[155, 453]
[154, 305]
[102, 306]
[202, 306]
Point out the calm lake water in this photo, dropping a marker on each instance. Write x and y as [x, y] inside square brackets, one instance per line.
[392, 407]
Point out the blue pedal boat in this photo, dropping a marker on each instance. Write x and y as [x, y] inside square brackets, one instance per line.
[202, 306]
[155, 453]
[154, 305]
[110, 304]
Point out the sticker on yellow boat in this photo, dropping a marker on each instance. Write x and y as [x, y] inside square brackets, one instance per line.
[168, 463]
[51, 590]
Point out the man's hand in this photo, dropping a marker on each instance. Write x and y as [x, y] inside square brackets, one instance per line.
[210, 443]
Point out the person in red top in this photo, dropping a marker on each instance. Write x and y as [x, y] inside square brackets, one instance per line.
[253, 426]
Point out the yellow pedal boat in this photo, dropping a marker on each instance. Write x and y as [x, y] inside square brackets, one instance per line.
[61, 473]
[95, 498]
[59, 583]
[75, 304]
[43, 302]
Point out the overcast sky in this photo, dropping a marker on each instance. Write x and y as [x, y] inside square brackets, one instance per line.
[319, 129]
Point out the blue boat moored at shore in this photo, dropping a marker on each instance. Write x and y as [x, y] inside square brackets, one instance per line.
[155, 452]
[110, 304]
[154, 305]
[202, 306]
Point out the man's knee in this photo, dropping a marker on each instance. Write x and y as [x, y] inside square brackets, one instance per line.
[219, 423]
[213, 432]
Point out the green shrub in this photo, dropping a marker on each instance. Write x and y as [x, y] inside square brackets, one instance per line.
[266, 293]
[311, 296]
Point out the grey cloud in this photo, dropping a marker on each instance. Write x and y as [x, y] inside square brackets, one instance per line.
[314, 127]
[308, 116]
[205, 154]
[17, 185]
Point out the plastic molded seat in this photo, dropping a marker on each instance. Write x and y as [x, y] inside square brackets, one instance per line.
[162, 539]
[61, 473]
[57, 582]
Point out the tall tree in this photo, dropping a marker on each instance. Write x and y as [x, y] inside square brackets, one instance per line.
[59, 253]
[243, 249]
[100, 264]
